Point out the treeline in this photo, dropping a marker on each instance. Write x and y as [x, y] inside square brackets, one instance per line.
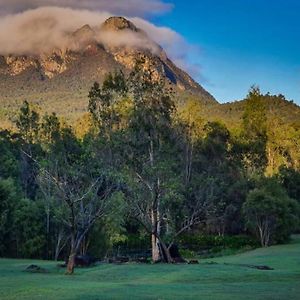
[138, 167]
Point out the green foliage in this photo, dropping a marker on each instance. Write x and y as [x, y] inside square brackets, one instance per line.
[290, 180]
[28, 122]
[103, 101]
[9, 163]
[29, 228]
[8, 203]
[254, 118]
[255, 132]
[165, 168]
[271, 213]
[198, 242]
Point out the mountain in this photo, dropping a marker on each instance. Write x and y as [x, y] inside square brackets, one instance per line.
[59, 81]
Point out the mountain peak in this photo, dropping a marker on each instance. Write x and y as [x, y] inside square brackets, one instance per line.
[84, 32]
[119, 23]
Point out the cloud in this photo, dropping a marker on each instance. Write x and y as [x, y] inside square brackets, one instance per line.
[44, 29]
[47, 28]
[120, 7]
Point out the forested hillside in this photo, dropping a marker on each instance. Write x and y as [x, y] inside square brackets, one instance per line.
[143, 170]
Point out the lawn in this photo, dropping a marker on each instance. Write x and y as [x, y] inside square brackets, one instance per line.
[224, 279]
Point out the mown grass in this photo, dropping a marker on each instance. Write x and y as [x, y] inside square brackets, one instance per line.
[132, 281]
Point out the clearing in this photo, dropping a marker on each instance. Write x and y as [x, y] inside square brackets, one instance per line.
[226, 278]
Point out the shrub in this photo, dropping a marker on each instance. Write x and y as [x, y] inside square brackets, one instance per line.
[270, 213]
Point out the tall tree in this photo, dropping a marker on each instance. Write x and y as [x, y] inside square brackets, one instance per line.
[191, 126]
[255, 132]
[28, 125]
[103, 106]
[150, 130]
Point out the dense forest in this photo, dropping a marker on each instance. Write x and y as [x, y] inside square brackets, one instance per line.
[141, 171]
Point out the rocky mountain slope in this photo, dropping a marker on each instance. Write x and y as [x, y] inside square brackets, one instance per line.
[60, 81]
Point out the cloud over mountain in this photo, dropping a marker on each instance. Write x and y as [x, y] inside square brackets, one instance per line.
[43, 29]
[32, 27]
[128, 7]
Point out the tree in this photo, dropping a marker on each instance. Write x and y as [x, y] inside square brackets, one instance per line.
[216, 178]
[191, 130]
[28, 127]
[78, 187]
[9, 158]
[28, 228]
[51, 142]
[150, 127]
[8, 204]
[290, 180]
[28, 123]
[271, 213]
[103, 106]
[255, 132]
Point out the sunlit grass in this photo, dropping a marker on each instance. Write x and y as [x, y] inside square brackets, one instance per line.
[132, 281]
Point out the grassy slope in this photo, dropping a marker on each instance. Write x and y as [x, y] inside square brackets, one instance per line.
[204, 281]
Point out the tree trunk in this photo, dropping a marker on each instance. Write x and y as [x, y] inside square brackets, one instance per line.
[71, 260]
[166, 250]
[264, 234]
[71, 263]
[60, 244]
[48, 230]
[188, 162]
[155, 248]
[155, 233]
[57, 248]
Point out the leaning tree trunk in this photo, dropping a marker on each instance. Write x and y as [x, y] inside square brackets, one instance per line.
[71, 263]
[166, 251]
[60, 244]
[71, 260]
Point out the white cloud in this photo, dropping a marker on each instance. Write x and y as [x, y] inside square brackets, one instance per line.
[43, 29]
[46, 28]
[120, 7]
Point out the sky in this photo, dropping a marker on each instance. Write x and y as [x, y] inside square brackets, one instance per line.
[227, 45]
[242, 43]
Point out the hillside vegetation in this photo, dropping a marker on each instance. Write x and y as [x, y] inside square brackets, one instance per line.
[141, 173]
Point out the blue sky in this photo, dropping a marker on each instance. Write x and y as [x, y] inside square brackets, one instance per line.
[242, 42]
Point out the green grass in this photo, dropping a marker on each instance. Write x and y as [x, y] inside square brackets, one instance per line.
[130, 281]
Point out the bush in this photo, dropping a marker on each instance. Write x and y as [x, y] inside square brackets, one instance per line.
[211, 243]
[270, 213]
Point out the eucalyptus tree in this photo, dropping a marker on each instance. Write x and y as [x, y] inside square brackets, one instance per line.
[104, 106]
[191, 131]
[255, 132]
[155, 164]
[150, 130]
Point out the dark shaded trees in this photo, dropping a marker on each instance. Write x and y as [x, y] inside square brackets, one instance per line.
[143, 160]
[80, 189]
[271, 213]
